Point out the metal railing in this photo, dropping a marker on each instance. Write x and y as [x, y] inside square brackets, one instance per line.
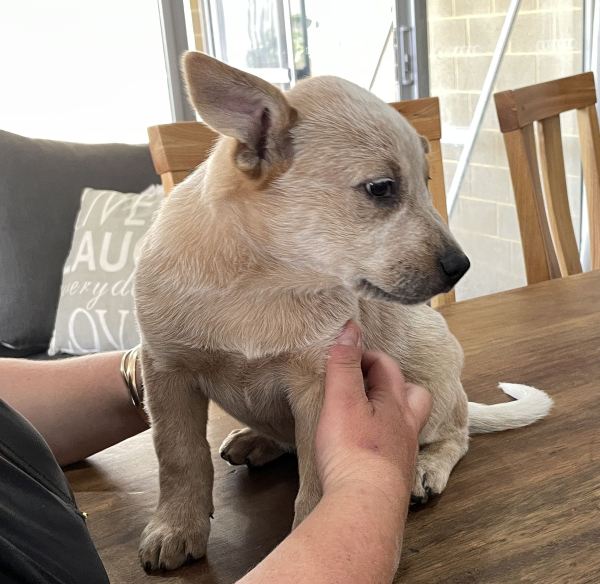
[484, 97]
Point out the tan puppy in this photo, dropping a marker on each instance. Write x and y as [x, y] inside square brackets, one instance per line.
[313, 209]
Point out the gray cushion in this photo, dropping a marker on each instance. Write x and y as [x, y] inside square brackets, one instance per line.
[41, 356]
[41, 182]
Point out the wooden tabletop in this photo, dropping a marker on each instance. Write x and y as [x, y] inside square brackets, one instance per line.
[522, 505]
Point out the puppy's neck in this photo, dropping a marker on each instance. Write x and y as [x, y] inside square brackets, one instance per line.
[245, 299]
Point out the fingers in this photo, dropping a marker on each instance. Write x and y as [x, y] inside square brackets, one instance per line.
[384, 377]
[344, 377]
[344, 380]
[386, 382]
[420, 403]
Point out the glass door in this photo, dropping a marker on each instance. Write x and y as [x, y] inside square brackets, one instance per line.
[284, 41]
[259, 36]
[544, 42]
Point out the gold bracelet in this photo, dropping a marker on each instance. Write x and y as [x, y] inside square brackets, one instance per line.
[136, 393]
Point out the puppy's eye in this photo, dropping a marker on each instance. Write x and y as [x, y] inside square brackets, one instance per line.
[380, 188]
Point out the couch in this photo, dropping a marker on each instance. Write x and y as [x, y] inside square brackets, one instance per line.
[41, 182]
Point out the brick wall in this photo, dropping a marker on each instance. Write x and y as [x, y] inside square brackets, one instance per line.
[545, 44]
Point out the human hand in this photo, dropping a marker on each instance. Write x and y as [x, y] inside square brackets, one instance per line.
[368, 440]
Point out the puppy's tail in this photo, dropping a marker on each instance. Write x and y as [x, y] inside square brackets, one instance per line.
[530, 405]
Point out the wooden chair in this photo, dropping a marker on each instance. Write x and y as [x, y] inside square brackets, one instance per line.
[551, 253]
[179, 148]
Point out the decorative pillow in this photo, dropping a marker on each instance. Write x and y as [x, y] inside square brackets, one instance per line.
[96, 309]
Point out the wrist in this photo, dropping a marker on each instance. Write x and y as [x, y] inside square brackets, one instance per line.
[381, 477]
[373, 517]
[391, 494]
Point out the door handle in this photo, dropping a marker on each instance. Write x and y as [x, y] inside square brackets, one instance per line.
[406, 55]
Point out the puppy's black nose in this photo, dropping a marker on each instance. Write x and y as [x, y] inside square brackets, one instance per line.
[454, 265]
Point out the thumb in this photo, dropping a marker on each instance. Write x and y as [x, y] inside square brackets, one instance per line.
[344, 378]
[419, 402]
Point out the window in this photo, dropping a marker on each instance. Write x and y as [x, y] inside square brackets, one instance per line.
[545, 43]
[82, 71]
[283, 41]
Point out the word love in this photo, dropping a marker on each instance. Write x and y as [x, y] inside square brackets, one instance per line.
[86, 326]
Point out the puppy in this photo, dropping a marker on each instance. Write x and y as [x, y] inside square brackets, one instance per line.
[312, 209]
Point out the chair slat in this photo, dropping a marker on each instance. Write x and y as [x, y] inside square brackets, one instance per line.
[535, 233]
[423, 115]
[552, 163]
[589, 136]
[180, 146]
[437, 188]
[171, 179]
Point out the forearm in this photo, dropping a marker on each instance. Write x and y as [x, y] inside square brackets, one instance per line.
[80, 406]
[351, 538]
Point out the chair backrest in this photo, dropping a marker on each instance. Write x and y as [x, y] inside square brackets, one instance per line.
[551, 252]
[424, 116]
[179, 148]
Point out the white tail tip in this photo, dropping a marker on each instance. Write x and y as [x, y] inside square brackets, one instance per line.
[530, 406]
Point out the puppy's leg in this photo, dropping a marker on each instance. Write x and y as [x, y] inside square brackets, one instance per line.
[178, 531]
[440, 454]
[247, 446]
[306, 406]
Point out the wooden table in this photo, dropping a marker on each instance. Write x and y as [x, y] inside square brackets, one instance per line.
[522, 505]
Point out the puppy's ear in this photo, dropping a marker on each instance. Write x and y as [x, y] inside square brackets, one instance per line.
[425, 144]
[242, 106]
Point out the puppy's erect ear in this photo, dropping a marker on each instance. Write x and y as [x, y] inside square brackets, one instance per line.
[425, 144]
[242, 106]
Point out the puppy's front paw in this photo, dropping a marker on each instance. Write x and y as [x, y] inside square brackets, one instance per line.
[245, 446]
[167, 544]
[430, 480]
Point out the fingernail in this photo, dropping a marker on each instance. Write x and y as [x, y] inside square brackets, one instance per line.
[350, 335]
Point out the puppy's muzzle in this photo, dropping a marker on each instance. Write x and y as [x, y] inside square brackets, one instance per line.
[453, 266]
